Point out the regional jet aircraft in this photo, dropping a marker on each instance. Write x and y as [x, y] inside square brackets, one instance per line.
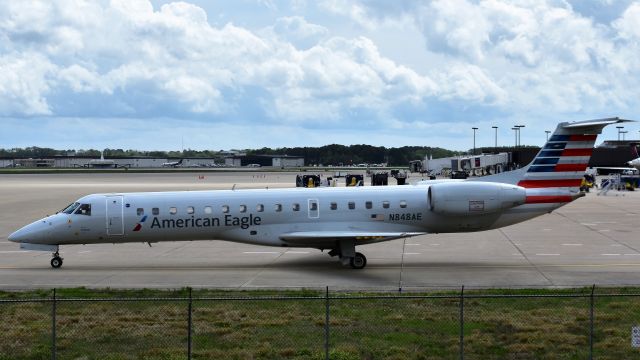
[327, 218]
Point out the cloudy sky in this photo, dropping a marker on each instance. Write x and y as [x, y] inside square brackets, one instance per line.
[252, 73]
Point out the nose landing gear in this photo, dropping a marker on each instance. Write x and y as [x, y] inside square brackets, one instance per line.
[56, 262]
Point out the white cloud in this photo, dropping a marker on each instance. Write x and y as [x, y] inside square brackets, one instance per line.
[24, 84]
[317, 64]
[299, 32]
[627, 24]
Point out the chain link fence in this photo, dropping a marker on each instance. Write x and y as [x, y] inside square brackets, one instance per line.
[324, 325]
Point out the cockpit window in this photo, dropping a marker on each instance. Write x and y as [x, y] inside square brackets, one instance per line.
[69, 209]
[84, 209]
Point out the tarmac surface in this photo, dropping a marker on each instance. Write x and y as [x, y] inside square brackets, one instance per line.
[593, 240]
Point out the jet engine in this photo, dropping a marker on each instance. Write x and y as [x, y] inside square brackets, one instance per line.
[474, 198]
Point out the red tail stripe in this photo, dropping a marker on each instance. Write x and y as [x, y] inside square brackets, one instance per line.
[571, 167]
[582, 137]
[548, 199]
[550, 183]
[576, 152]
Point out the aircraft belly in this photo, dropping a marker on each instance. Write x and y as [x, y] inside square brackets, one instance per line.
[462, 223]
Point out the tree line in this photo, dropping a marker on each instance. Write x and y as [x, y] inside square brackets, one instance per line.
[333, 154]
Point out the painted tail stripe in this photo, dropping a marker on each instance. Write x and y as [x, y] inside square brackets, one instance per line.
[583, 137]
[557, 168]
[571, 167]
[577, 152]
[549, 153]
[573, 137]
[541, 168]
[555, 146]
[550, 183]
[548, 199]
[545, 161]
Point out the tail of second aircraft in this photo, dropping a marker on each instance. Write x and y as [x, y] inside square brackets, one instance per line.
[555, 174]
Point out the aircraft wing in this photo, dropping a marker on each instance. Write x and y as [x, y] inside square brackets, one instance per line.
[329, 238]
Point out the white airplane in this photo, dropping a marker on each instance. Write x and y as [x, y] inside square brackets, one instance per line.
[328, 218]
[173, 163]
[632, 170]
[635, 163]
[101, 163]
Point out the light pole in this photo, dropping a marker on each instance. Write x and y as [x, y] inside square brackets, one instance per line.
[474, 139]
[547, 131]
[515, 132]
[495, 138]
[519, 128]
[619, 129]
[623, 132]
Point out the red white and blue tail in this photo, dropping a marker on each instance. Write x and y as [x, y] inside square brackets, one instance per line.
[555, 174]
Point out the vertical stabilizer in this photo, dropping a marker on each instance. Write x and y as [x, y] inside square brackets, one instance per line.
[562, 161]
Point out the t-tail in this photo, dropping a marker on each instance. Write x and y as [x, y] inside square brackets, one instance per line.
[555, 174]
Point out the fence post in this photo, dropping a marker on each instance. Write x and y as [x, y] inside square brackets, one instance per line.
[53, 326]
[593, 288]
[462, 323]
[326, 324]
[190, 326]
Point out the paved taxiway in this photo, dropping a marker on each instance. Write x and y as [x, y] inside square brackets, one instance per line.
[593, 240]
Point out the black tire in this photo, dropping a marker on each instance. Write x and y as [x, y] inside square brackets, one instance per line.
[358, 262]
[56, 262]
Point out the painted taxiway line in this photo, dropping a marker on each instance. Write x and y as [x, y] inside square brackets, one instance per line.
[261, 252]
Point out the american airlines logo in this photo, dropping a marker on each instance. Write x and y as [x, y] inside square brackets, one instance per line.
[139, 224]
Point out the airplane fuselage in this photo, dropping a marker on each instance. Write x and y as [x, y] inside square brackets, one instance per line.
[260, 216]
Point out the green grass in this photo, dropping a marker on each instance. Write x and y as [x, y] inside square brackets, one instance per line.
[255, 325]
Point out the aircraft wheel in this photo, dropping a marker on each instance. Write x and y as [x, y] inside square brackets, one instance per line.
[56, 262]
[359, 261]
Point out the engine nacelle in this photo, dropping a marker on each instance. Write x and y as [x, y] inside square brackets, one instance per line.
[474, 197]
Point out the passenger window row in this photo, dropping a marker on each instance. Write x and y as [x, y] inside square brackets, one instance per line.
[225, 209]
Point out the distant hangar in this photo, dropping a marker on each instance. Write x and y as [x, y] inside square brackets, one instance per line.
[279, 161]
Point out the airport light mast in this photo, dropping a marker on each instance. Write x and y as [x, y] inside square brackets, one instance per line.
[495, 138]
[619, 129]
[548, 132]
[519, 128]
[474, 139]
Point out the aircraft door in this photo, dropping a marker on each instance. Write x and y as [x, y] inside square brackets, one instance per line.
[314, 209]
[115, 223]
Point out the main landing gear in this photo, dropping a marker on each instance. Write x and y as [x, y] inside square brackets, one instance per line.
[56, 262]
[346, 251]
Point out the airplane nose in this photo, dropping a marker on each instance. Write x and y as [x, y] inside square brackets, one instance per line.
[17, 236]
[32, 233]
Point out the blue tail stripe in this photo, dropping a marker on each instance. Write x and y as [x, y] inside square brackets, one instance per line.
[560, 138]
[545, 168]
[550, 153]
[555, 145]
[546, 161]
